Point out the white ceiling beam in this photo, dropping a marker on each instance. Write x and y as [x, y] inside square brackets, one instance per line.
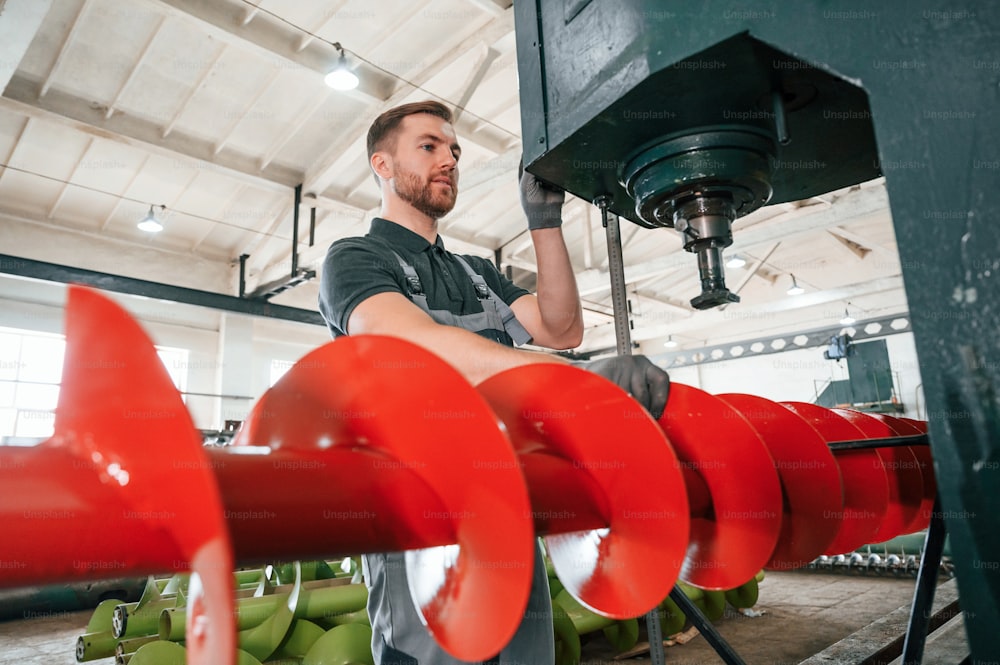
[195, 89]
[168, 211]
[513, 100]
[639, 312]
[226, 207]
[493, 8]
[322, 173]
[135, 68]
[63, 49]
[74, 112]
[13, 150]
[849, 247]
[494, 173]
[118, 201]
[395, 25]
[69, 180]
[865, 242]
[356, 197]
[329, 13]
[251, 11]
[228, 132]
[19, 23]
[483, 61]
[293, 128]
[284, 212]
[271, 40]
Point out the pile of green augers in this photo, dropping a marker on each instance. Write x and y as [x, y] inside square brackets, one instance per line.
[313, 613]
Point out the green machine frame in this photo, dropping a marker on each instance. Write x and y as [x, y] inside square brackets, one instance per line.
[648, 105]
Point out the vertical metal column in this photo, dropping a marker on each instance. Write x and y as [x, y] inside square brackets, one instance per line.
[623, 341]
[616, 268]
[295, 230]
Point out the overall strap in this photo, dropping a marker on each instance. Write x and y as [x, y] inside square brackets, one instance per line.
[513, 327]
[415, 290]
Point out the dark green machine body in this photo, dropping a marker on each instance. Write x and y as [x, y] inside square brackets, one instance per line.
[910, 90]
[669, 84]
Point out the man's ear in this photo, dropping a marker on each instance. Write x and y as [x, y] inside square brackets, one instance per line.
[381, 163]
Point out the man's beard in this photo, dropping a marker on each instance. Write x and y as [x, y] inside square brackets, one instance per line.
[421, 195]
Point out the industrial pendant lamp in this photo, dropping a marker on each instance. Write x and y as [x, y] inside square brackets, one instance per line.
[671, 342]
[340, 77]
[736, 261]
[795, 289]
[848, 319]
[149, 223]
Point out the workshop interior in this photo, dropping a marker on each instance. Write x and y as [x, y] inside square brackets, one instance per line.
[789, 207]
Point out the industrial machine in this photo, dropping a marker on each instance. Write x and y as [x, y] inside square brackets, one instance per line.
[690, 115]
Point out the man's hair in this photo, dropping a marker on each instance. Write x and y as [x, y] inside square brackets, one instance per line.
[384, 129]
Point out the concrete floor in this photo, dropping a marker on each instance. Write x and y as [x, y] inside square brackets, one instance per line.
[804, 613]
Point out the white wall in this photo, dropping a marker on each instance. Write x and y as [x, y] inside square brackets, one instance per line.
[40, 306]
[797, 375]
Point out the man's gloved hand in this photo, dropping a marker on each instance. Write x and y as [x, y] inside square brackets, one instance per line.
[542, 203]
[637, 375]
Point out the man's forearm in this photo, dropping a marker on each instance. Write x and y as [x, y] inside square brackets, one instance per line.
[475, 357]
[558, 296]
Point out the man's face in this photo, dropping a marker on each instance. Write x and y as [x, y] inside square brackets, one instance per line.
[425, 164]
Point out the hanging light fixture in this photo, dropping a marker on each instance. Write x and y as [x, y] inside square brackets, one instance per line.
[795, 289]
[670, 343]
[848, 319]
[736, 261]
[340, 77]
[149, 223]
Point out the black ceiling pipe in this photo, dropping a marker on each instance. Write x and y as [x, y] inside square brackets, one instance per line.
[52, 272]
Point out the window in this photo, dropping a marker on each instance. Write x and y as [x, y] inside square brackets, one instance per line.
[278, 369]
[30, 371]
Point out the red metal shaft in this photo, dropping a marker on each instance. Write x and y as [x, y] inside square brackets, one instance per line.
[63, 522]
[298, 504]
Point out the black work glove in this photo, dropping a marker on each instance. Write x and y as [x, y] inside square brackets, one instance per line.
[542, 203]
[638, 376]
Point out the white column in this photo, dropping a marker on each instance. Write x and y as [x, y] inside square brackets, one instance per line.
[236, 369]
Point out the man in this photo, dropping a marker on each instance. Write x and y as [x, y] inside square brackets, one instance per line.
[399, 280]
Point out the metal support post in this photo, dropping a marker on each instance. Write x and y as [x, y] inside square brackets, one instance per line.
[705, 627]
[923, 594]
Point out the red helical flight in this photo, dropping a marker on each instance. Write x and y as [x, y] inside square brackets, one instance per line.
[372, 444]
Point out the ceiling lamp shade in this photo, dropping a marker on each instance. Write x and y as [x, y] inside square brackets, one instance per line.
[340, 77]
[149, 223]
[795, 289]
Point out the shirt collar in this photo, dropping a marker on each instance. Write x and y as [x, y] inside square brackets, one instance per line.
[401, 236]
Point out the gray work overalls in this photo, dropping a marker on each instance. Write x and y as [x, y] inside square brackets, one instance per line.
[398, 635]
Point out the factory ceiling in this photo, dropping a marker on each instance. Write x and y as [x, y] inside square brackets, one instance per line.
[217, 110]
